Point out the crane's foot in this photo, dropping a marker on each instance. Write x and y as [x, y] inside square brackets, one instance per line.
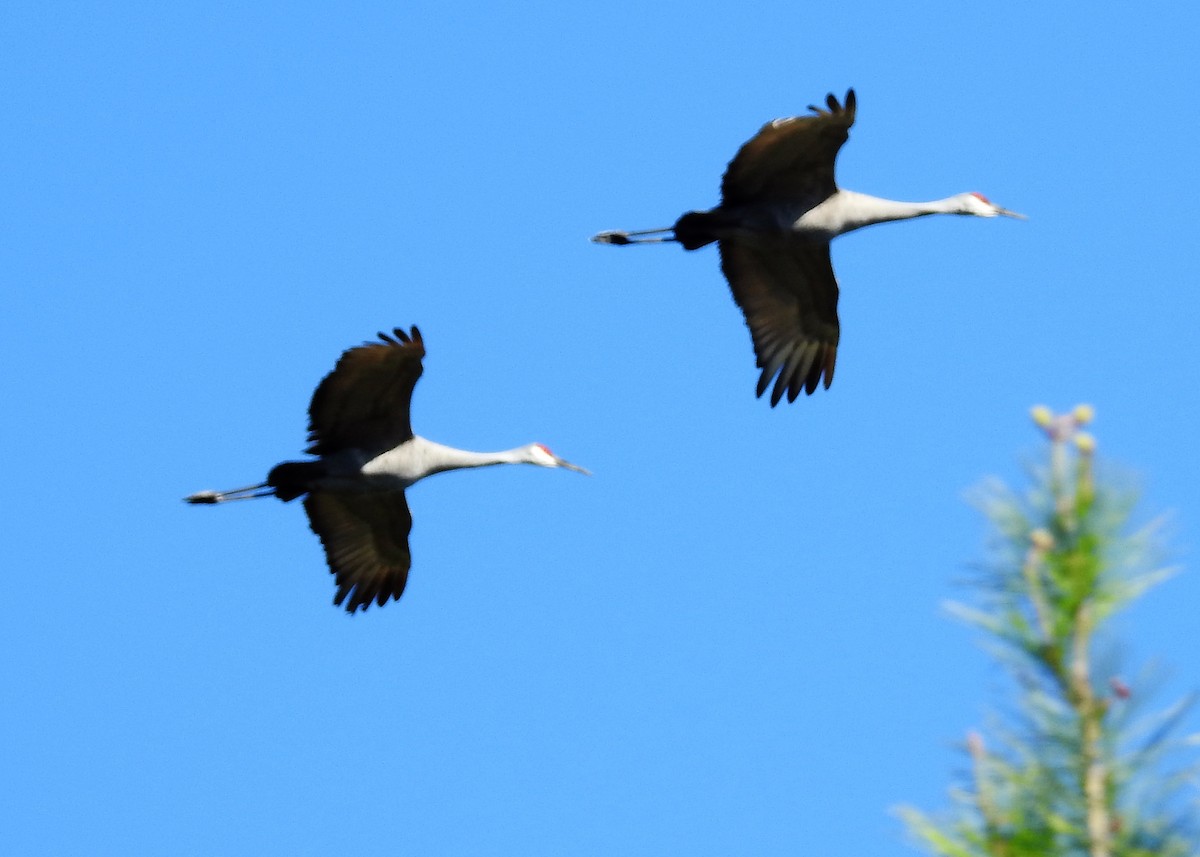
[612, 237]
[203, 497]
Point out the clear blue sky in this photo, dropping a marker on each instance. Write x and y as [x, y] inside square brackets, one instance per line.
[729, 640]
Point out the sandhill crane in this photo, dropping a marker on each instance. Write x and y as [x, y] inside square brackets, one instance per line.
[359, 427]
[780, 208]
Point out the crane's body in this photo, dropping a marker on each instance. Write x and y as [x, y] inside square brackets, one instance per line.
[780, 208]
[367, 457]
[823, 220]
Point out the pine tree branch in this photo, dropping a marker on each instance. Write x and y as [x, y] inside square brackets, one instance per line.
[1090, 715]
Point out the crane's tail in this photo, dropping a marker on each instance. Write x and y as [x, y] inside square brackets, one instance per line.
[698, 229]
[250, 492]
[295, 478]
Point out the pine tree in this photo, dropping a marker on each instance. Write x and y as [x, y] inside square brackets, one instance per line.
[1070, 770]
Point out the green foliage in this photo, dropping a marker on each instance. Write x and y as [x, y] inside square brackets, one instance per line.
[1071, 772]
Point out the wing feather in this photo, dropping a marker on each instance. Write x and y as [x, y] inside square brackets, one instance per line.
[365, 537]
[786, 288]
[792, 159]
[364, 402]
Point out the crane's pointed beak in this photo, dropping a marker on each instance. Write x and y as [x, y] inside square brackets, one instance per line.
[1013, 214]
[562, 462]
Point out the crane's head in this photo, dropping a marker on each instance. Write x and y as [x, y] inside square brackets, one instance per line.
[980, 206]
[540, 454]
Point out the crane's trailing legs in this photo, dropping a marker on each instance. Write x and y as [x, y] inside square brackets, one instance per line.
[693, 230]
[616, 236]
[250, 492]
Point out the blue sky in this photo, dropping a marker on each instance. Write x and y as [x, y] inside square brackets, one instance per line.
[728, 640]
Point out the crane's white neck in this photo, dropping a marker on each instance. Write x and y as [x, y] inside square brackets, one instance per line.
[417, 458]
[847, 210]
[448, 458]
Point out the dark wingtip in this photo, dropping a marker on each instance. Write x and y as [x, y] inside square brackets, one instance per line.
[832, 106]
[398, 337]
[777, 393]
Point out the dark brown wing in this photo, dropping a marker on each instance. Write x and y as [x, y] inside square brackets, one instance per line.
[365, 537]
[786, 288]
[790, 159]
[363, 403]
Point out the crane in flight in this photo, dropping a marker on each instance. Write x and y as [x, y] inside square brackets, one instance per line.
[367, 456]
[780, 208]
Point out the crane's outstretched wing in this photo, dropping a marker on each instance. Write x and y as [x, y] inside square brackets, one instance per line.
[365, 537]
[364, 402]
[788, 293]
[790, 160]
